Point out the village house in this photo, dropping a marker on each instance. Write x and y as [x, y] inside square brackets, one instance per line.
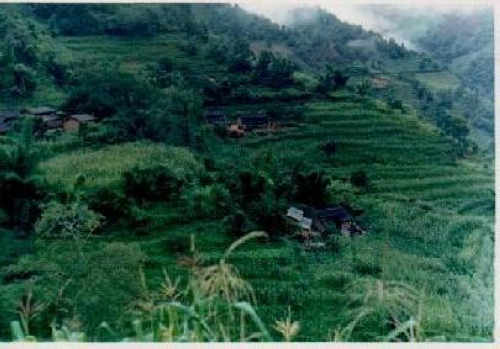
[53, 122]
[251, 121]
[216, 117]
[314, 224]
[73, 122]
[305, 224]
[7, 118]
[10, 115]
[235, 131]
[339, 215]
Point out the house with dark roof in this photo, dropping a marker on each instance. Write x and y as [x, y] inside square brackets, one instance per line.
[341, 216]
[9, 115]
[253, 120]
[216, 117]
[53, 122]
[73, 122]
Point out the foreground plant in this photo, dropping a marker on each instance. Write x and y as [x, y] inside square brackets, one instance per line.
[215, 305]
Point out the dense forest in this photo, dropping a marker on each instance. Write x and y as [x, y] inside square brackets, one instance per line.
[196, 172]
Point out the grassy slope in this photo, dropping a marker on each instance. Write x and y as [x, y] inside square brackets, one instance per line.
[420, 209]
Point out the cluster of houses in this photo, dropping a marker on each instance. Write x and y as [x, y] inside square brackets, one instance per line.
[246, 121]
[313, 223]
[52, 119]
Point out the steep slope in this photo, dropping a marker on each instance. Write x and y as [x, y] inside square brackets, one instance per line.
[429, 212]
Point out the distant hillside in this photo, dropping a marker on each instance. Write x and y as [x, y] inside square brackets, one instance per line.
[225, 37]
[192, 126]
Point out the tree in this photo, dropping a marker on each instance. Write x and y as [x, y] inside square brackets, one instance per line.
[273, 71]
[24, 81]
[112, 281]
[359, 179]
[156, 183]
[67, 221]
[311, 188]
[113, 205]
[332, 79]
[165, 76]
[250, 187]
[363, 88]
[182, 108]
[329, 148]
[16, 180]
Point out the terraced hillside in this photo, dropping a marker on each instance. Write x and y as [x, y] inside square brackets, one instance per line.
[155, 180]
[424, 209]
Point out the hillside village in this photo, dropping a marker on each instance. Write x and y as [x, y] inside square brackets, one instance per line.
[51, 120]
[197, 172]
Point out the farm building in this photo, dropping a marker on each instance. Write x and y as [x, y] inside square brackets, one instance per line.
[316, 221]
[216, 117]
[235, 131]
[9, 115]
[251, 121]
[73, 122]
[341, 216]
[53, 122]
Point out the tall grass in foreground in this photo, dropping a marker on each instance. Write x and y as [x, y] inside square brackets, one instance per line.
[215, 305]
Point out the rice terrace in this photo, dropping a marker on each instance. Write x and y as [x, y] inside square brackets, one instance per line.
[217, 173]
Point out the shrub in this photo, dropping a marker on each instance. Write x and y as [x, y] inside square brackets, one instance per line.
[359, 179]
[237, 223]
[311, 188]
[70, 221]
[24, 81]
[329, 148]
[156, 183]
[112, 282]
[108, 202]
[208, 201]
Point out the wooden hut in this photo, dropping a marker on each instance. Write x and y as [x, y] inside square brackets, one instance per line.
[73, 122]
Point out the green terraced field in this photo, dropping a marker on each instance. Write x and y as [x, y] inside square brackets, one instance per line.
[420, 209]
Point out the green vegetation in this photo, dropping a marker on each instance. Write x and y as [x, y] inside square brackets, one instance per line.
[120, 231]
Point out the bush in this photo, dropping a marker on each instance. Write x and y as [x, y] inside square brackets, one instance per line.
[211, 200]
[108, 202]
[70, 221]
[156, 183]
[24, 81]
[311, 188]
[330, 147]
[111, 284]
[237, 223]
[359, 179]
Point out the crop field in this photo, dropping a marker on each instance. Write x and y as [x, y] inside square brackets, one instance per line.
[420, 208]
[438, 81]
[135, 56]
[104, 167]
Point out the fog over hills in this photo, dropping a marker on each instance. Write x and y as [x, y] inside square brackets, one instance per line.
[403, 22]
